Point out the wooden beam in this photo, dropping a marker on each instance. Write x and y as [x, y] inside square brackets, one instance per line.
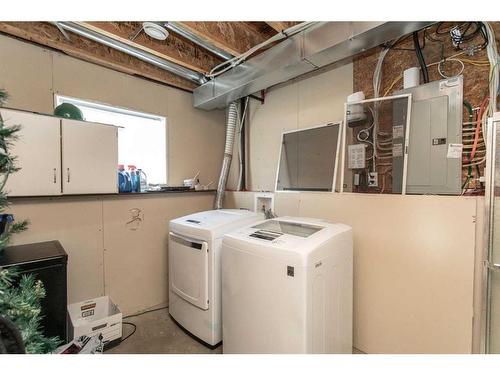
[276, 25]
[232, 37]
[262, 28]
[279, 26]
[47, 34]
[174, 49]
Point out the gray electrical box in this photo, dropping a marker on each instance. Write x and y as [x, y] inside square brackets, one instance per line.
[435, 144]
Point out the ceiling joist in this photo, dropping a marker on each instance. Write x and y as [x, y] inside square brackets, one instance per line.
[174, 49]
[232, 37]
[46, 34]
[279, 26]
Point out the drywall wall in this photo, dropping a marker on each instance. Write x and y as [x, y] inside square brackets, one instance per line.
[107, 256]
[413, 282]
[313, 100]
[416, 257]
[195, 138]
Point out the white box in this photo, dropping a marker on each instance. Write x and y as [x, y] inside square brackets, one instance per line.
[95, 316]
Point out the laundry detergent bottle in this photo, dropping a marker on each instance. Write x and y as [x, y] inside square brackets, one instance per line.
[134, 178]
[124, 183]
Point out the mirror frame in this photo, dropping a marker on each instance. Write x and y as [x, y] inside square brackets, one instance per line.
[335, 162]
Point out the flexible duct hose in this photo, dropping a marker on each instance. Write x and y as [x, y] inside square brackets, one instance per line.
[232, 119]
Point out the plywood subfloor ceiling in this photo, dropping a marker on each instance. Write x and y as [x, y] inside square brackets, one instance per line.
[231, 37]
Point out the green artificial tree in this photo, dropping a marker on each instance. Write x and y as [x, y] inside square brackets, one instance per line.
[20, 296]
[8, 134]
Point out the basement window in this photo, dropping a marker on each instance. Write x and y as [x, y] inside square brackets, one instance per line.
[142, 138]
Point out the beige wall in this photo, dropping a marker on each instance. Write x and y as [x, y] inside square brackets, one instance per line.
[302, 103]
[416, 257]
[105, 255]
[414, 260]
[195, 138]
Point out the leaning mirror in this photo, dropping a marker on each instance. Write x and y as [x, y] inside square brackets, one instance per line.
[309, 159]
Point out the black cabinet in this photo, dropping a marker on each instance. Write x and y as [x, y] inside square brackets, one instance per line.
[48, 262]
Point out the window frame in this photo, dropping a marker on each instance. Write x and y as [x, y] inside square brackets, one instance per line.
[124, 111]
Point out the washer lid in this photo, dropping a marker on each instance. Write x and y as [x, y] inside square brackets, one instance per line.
[281, 227]
[214, 223]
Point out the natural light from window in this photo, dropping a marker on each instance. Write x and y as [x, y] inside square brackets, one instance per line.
[141, 136]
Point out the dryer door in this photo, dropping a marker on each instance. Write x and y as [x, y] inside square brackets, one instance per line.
[188, 259]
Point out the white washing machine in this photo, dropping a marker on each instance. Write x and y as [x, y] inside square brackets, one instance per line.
[194, 269]
[287, 287]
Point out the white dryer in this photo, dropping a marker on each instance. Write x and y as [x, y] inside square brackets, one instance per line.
[287, 287]
[194, 269]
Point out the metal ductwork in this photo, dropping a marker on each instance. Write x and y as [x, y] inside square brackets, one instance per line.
[317, 46]
[181, 30]
[232, 121]
[181, 71]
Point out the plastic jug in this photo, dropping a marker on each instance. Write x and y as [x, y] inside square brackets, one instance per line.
[134, 178]
[143, 180]
[124, 183]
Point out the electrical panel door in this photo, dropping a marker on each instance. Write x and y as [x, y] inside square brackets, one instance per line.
[434, 165]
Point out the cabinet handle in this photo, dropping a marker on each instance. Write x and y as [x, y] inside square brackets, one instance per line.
[55, 176]
[67, 169]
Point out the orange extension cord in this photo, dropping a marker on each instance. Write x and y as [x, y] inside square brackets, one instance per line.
[483, 106]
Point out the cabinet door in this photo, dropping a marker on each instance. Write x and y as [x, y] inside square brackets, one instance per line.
[89, 157]
[38, 152]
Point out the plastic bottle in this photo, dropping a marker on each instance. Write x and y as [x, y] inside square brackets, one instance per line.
[134, 178]
[143, 180]
[123, 179]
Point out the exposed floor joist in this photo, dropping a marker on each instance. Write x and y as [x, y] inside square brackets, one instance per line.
[47, 34]
[232, 37]
[279, 26]
[174, 48]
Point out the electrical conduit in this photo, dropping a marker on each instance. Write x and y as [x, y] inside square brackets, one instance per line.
[232, 120]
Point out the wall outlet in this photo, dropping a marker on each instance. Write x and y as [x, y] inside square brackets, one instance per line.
[373, 179]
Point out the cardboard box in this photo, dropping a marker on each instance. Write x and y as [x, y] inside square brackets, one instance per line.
[95, 316]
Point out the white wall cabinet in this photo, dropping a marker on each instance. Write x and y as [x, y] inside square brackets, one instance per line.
[89, 157]
[38, 154]
[62, 156]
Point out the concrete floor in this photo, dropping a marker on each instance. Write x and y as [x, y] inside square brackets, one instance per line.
[157, 333]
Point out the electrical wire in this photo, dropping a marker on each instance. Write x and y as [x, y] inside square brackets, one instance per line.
[135, 315]
[440, 71]
[478, 128]
[399, 78]
[494, 68]
[235, 61]
[450, 58]
[145, 312]
[420, 57]
[460, 34]
[130, 334]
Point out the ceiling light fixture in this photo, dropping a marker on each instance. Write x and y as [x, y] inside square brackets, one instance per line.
[155, 30]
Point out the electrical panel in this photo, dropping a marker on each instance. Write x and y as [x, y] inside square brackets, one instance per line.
[435, 139]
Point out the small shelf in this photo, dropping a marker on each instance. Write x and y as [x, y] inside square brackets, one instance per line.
[121, 195]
